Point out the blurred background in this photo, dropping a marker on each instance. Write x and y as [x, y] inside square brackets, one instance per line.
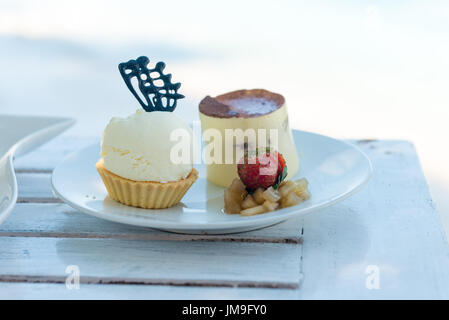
[348, 69]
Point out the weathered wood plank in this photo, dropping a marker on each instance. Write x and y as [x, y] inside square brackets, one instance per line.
[35, 187]
[390, 227]
[151, 262]
[46, 157]
[60, 220]
[13, 290]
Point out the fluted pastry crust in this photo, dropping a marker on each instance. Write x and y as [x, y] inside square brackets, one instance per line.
[145, 194]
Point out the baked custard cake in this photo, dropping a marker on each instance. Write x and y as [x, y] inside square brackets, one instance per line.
[246, 109]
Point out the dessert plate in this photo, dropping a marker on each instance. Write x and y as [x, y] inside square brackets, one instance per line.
[335, 170]
[20, 134]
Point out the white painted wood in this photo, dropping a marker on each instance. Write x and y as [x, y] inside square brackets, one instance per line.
[50, 154]
[35, 187]
[60, 220]
[14, 290]
[151, 262]
[391, 224]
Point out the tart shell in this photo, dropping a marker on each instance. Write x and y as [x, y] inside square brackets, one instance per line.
[145, 194]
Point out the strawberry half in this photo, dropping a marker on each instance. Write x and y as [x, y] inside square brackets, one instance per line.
[262, 169]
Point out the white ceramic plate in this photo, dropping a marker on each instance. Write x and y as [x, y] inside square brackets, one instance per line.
[18, 135]
[335, 170]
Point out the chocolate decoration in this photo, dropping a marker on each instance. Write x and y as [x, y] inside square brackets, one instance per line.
[154, 95]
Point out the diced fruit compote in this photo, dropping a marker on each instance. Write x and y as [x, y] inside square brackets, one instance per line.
[249, 202]
[289, 193]
[233, 196]
[237, 186]
[304, 195]
[271, 195]
[301, 186]
[258, 192]
[289, 200]
[270, 206]
[258, 196]
[287, 187]
[231, 205]
[253, 211]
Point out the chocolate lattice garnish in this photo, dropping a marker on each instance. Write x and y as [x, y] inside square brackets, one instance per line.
[158, 97]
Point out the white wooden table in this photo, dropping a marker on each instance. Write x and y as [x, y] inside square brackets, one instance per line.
[384, 242]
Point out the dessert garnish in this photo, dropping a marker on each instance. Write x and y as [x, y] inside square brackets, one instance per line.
[156, 87]
[136, 163]
[270, 163]
[258, 190]
[244, 114]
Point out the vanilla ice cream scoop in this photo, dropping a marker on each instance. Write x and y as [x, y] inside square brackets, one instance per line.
[148, 146]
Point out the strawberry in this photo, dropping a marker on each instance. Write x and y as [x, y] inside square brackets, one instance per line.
[262, 169]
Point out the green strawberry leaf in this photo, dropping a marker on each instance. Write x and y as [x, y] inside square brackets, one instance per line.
[281, 177]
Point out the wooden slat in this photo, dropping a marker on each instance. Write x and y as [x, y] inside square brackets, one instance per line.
[46, 157]
[41, 220]
[35, 187]
[60, 220]
[151, 262]
[391, 224]
[21, 290]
